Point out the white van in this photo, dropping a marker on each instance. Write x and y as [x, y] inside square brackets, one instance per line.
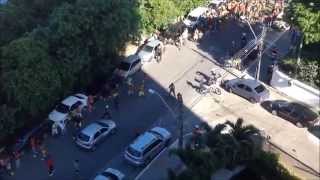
[194, 16]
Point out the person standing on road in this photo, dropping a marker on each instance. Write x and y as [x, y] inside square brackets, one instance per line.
[172, 90]
[9, 166]
[115, 96]
[130, 86]
[54, 129]
[141, 89]
[243, 40]
[106, 113]
[17, 157]
[33, 145]
[76, 166]
[50, 166]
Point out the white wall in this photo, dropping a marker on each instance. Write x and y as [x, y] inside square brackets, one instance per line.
[295, 89]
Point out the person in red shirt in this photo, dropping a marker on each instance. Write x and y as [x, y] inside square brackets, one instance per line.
[49, 163]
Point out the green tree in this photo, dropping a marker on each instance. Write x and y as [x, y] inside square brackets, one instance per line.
[157, 14]
[21, 16]
[88, 35]
[306, 14]
[187, 5]
[29, 80]
[243, 142]
[8, 121]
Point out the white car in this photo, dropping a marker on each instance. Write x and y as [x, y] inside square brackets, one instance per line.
[194, 16]
[110, 174]
[61, 112]
[147, 53]
[129, 66]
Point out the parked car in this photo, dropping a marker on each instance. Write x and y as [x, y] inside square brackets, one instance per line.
[294, 112]
[60, 114]
[147, 146]
[250, 89]
[110, 174]
[194, 16]
[147, 53]
[129, 66]
[94, 133]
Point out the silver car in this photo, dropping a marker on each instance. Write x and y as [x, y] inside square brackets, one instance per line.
[147, 146]
[110, 174]
[250, 89]
[147, 53]
[94, 133]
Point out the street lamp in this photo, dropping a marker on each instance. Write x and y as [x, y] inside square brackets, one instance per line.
[178, 118]
[251, 29]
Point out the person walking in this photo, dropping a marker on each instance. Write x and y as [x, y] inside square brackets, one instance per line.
[44, 152]
[172, 90]
[33, 145]
[243, 40]
[9, 166]
[50, 166]
[141, 89]
[130, 86]
[106, 113]
[54, 129]
[76, 166]
[17, 157]
[115, 96]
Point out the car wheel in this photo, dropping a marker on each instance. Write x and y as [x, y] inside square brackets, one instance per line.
[93, 148]
[252, 100]
[274, 112]
[167, 142]
[298, 124]
[113, 131]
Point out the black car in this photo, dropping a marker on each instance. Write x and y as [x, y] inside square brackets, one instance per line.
[294, 112]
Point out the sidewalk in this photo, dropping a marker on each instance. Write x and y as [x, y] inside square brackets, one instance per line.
[296, 148]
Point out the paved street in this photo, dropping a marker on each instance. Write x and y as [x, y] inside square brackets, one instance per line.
[141, 113]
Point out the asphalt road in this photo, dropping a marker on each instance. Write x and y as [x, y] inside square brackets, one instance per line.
[136, 113]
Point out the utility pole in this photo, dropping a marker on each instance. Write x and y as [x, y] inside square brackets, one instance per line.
[260, 46]
[180, 117]
[299, 55]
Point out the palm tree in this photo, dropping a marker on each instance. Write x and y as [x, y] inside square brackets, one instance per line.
[242, 142]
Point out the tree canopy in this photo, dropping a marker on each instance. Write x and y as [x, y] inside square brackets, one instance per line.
[306, 14]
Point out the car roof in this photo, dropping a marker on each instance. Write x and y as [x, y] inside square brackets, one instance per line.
[250, 82]
[91, 129]
[131, 58]
[198, 11]
[143, 140]
[69, 101]
[153, 43]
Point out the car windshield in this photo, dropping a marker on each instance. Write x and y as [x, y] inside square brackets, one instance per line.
[83, 137]
[192, 18]
[260, 88]
[109, 176]
[62, 108]
[102, 124]
[124, 66]
[134, 152]
[148, 48]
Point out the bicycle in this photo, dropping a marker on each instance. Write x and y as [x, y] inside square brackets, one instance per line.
[211, 90]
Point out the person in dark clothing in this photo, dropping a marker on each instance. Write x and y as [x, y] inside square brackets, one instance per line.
[172, 90]
[243, 40]
[106, 113]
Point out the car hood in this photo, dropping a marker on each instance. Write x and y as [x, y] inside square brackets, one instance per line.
[145, 56]
[57, 116]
